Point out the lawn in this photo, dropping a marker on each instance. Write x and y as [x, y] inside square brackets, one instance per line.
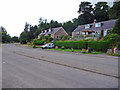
[66, 50]
[36, 46]
[75, 50]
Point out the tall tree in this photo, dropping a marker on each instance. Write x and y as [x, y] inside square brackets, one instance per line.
[85, 11]
[116, 28]
[101, 10]
[5, 37]
[114, 12]
[69, 27]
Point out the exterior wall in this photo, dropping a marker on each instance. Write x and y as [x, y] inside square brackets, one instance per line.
[73, 34]
[38, 36]
[52, 35]
[60, 32]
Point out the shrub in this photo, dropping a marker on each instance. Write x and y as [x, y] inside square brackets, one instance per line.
[23, 41]
[83, 50]
[113, 39]
[38, 42]
[118, 45]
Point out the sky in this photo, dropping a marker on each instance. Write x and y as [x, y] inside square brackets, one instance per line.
[14, 13]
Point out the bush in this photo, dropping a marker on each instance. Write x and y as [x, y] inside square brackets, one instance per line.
[23, 41]
[112, 38]
[118, 45]
[99, 45]
[38, 42]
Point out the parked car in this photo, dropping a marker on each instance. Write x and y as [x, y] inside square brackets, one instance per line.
[48, 45]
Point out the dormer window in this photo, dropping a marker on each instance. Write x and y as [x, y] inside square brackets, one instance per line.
[45, 31]
[50, 30]
[87, 26]
[98, 25]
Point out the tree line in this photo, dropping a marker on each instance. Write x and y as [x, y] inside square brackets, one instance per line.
[5, 37]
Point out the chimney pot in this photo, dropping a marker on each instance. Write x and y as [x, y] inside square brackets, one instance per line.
[94, 22]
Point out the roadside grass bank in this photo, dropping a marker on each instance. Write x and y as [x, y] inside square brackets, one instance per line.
[112, 54]
[65, 50]
[71, 50]
[32, 46]
[75, 50]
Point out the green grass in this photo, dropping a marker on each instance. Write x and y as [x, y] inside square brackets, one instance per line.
[66, 50]
[93, 52]
[36, 46]
[70, 50]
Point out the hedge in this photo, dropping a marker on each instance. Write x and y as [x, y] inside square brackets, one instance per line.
[71, 44]
[94, 45]
[38, 42]
[99, 45]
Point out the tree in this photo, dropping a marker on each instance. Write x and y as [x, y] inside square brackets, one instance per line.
[32, 32]
[15, 39]
[113, 39]
[101, 10]
[85, 11]
[6, 38]
[116, 28]
[37, 32]
[69, 27]
[114, 12]
[23, 37]
[26, 27]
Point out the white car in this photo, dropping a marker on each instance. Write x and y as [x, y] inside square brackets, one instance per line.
[48, 45]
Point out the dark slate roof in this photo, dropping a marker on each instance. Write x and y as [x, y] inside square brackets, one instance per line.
[105, 25]
[54, 30]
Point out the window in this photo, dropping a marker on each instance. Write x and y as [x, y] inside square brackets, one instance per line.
[86, 33]
[105, 32]
[83, 33]
[77, 33]
[98, 25]
[87, 26]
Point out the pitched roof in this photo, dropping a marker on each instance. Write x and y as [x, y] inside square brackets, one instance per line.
[54, 30]
[105, 25]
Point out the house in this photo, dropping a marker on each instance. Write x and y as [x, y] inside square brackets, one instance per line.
[54, 32]
[95, 27]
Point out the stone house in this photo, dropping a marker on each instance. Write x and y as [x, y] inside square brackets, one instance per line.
[54, 32]
[95, 27]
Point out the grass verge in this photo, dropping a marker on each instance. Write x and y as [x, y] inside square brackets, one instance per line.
[112, 54]
[75, 50]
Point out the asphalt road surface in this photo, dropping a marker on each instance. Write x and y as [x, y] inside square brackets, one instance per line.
[24, 67]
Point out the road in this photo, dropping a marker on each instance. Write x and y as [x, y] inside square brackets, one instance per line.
[24, 67]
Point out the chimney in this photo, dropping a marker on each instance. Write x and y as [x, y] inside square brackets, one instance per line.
[94, 22]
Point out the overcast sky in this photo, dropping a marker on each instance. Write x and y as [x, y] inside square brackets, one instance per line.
[14, 13]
